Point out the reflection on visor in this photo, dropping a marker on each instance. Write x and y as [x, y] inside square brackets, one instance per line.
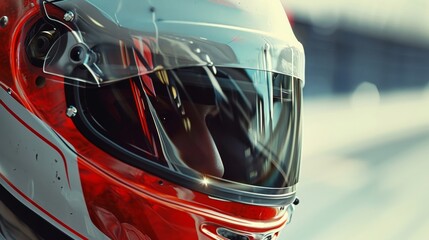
[243, 129]
[102, 39]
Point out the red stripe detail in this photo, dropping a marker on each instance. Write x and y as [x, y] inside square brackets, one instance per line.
[142, 46]
[147, 52]
[41, 208]
[41, 137]
[140, 109]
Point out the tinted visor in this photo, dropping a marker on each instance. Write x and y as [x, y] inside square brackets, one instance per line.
[232, 129]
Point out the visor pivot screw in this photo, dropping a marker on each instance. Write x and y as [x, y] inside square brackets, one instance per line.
[68, 16]
[9, 91]
[296, 201]
[3, 21]
[71, 111]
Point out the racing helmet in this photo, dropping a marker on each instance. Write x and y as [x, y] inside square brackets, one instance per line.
[180, 120]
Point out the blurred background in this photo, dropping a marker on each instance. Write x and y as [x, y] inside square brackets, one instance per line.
[365, 164]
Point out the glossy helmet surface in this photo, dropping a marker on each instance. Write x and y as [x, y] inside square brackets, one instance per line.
[139, 119]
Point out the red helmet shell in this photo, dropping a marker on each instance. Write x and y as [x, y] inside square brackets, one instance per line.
[121, 201]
